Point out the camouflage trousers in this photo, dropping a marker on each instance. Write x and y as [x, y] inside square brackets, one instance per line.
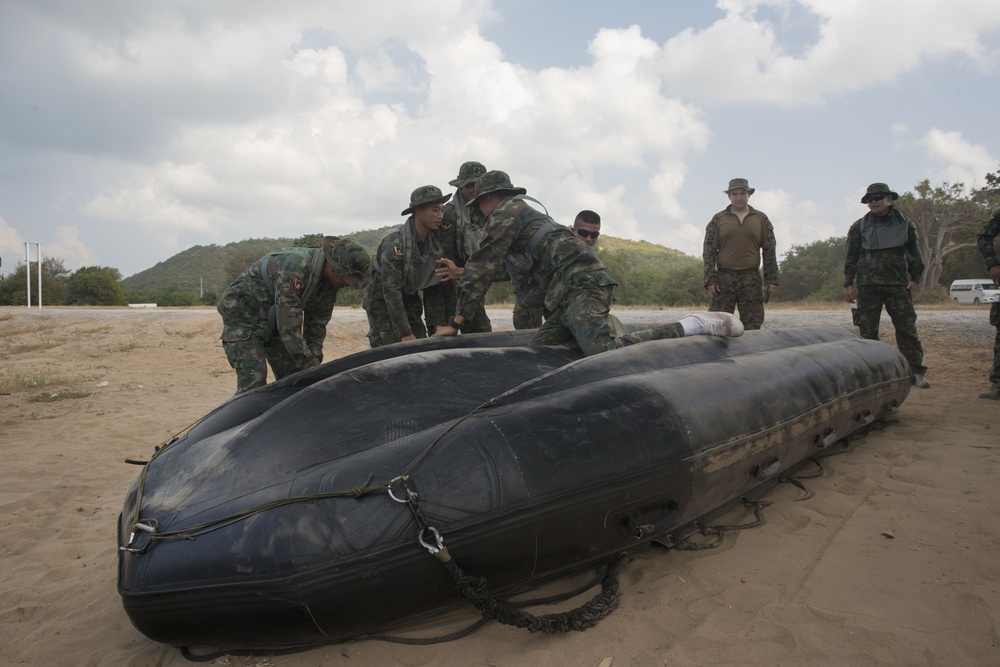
[380, 329]
[585, 317]
[899, 305]
[480, 321]
[743, 289]
[995, 321]
[529, 306]
[249, 358]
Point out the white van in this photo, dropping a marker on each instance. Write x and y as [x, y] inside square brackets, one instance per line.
[974, 291]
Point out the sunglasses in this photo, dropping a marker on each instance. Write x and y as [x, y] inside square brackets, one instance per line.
[585, 234]
[872, 198]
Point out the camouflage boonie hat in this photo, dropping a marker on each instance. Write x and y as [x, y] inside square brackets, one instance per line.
[425, 194]
[878, 189]
[348, 258]
[739, 184]
[467, 173]
[492, 181]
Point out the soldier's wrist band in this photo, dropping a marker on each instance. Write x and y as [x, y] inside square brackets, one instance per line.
[453, 324]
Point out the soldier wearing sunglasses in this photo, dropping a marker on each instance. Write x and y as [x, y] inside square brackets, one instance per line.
[587, 227]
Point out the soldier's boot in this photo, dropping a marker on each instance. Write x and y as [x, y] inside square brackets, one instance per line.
[993, 394]
[920, 381]
[715, 324]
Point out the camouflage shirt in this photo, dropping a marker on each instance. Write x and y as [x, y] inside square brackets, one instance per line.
[887, 266]
[386, 294]
[559, 261]
[985, 240]
[297, 307]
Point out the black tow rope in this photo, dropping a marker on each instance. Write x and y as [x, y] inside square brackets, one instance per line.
[474, 589]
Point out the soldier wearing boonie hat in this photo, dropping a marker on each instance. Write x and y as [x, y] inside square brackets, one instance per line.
[883, 268]
[462, 229]
[578, 291]
[405, 267]
[276, 312]
[736, 239]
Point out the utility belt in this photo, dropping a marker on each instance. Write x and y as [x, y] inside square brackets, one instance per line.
[755, 269]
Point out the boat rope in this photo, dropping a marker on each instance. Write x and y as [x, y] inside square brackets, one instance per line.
[191, 532]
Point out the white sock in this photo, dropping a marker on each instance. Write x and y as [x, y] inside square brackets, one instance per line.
[693, 326]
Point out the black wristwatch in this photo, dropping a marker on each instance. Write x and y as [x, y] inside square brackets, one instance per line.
[453, 324]
[848, 284]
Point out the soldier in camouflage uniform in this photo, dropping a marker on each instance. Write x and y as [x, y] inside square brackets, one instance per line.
[462, 228]
[735, 239]
[277, 310]
[883, 267]
[405, 265]
[578, 290]
[986, 240]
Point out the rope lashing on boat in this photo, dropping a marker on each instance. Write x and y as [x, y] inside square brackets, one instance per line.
[474, 589]
[149, 526]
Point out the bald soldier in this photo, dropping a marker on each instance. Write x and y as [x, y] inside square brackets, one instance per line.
[277, 310]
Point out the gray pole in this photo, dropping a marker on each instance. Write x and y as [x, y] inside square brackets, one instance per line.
[39, 276]
[27, 271]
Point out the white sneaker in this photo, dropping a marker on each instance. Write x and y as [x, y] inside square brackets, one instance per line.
[719, 324]
[920, 381]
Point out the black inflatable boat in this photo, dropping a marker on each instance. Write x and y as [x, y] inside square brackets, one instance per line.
[305, 512]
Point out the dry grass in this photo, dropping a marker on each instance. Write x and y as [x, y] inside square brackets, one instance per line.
[17, 382]
[59, 396]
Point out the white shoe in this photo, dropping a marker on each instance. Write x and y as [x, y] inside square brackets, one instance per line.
[920, 381]
[719, 324]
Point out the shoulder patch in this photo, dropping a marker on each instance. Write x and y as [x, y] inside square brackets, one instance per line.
[397, 252]
[297, 285]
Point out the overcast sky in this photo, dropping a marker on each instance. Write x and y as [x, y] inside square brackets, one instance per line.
[131, 130]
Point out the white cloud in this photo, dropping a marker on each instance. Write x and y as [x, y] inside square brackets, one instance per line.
[956, 159]
[11, 247]
[740, 58]
[68, 247]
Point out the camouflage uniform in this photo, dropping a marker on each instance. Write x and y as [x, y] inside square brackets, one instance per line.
[393, 312]
[403, 268]
[577, 289]
[441, 300]
[881, 274]
[740, 285]
[529, 305]
[277, 310]
[985, 240]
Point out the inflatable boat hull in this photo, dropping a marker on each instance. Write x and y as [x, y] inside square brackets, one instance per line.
[529, 462]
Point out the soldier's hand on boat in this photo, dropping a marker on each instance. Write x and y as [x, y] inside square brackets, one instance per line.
[446, 331]
[409, 337]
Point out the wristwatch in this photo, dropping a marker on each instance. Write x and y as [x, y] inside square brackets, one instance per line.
[848, 284]
[453, 324]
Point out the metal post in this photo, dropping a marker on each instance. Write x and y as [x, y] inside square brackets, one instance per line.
[39, 276]
[27, 271]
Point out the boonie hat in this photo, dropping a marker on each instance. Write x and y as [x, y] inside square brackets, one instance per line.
[878, 189]
[425, 194]
[469, 172]
[348, 258]
[739, 184]
[492, 181]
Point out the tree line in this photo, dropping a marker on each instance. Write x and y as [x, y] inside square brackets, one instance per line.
[947, 217]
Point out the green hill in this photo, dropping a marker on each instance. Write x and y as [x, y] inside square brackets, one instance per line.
[212, 267]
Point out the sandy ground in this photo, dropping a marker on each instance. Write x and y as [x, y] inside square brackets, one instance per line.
[820, 583]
